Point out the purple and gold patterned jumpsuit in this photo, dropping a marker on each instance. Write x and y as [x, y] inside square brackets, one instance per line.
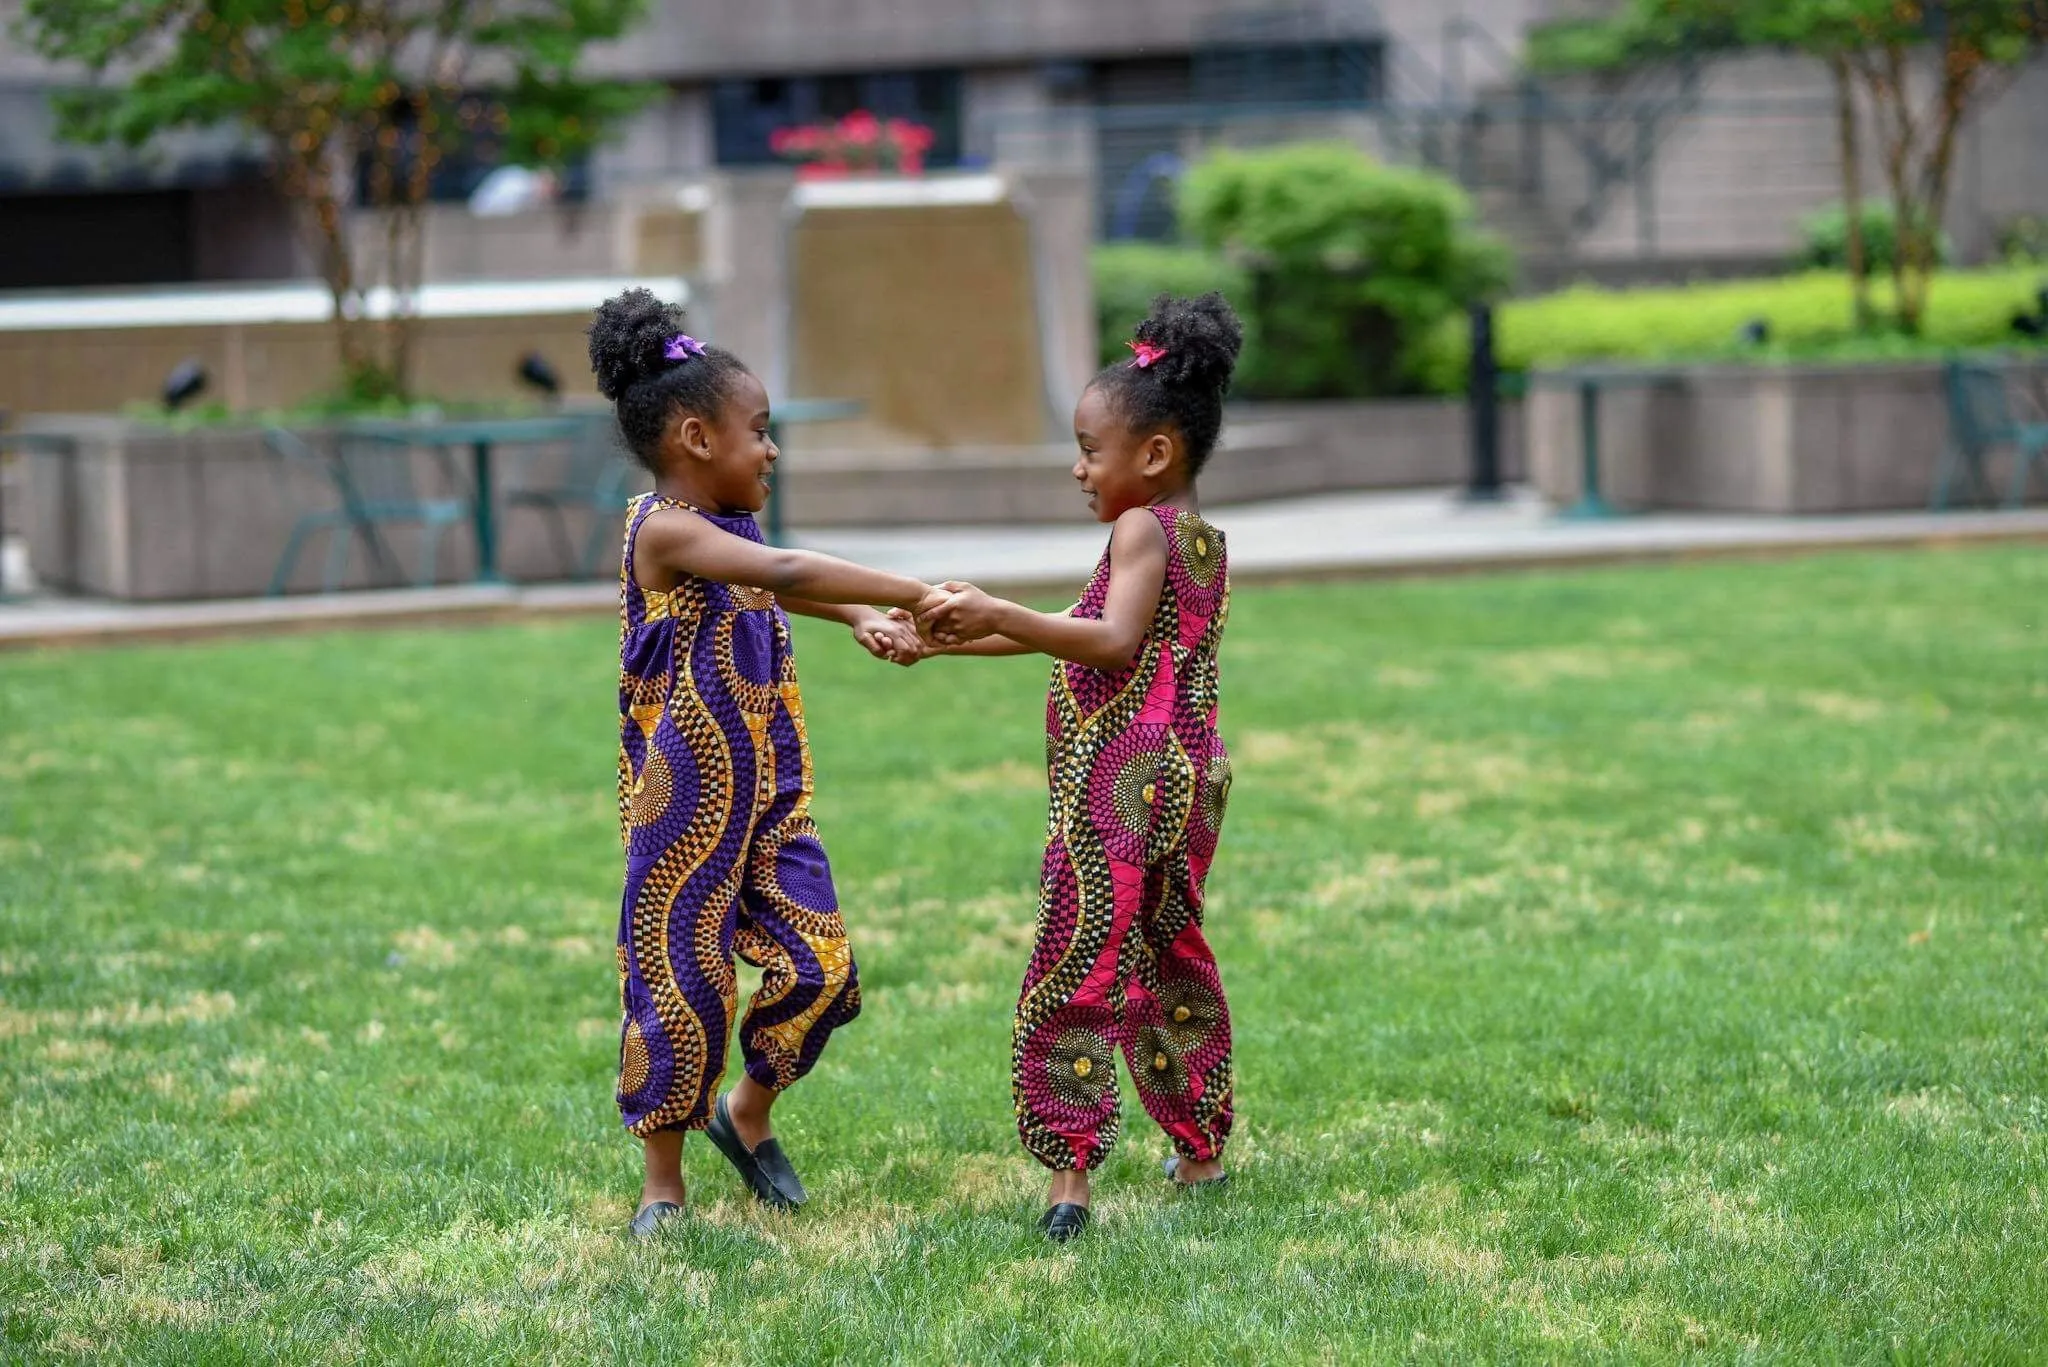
[721, 854]
[1139, 781]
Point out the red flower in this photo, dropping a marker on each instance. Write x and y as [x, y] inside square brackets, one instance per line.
[858, 141]
[860, 127]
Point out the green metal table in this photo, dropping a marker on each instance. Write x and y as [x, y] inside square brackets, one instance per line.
[481, 436]
[1589, 382]
[791, 412]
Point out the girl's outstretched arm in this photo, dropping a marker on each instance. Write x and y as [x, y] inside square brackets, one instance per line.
[988, 647]
[890, 636]
[1137, 574]
[676, 542]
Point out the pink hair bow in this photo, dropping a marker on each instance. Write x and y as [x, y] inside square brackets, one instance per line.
[1146, 354]
[682, 347]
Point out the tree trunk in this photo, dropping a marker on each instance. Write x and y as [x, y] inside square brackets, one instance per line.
[1852, 191]
[1959, 75]
[408, 261]
[1892, 101]
[337, 267]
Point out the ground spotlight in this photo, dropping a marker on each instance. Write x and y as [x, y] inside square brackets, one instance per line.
[535, 370]
[185, 383]
[1756, 332]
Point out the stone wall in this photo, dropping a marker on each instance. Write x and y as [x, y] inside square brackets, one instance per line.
[276, 365]
[1733, 176]
[725, 234]
[141, 513]
[708, 39]
[1757, 439]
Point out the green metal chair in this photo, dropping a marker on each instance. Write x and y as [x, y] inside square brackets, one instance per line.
[1981, 420]
[374, 487]
[597, 478]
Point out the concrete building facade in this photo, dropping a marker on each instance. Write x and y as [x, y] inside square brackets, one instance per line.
[1646, 176]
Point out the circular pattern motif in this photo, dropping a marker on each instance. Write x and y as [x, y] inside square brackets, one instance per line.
[633, 1060]
[1201, 549]
[1123, 788]
[1216, 791]
[1160, 1069]
[1191, 1012]
[1136, 792]
[1078, 1067]
[653, 789]
[756, 697]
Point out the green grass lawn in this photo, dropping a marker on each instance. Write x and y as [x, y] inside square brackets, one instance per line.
[1627, 964]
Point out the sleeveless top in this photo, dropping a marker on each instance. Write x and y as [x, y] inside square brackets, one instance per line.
[1134, 752]
[727, 647]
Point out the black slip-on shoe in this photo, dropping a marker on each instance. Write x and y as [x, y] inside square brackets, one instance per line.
[1172, 1166]
[651, 1218]
[1063, 1221]
[765, 1170]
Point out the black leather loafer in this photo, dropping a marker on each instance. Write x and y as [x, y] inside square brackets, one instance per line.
[1172, 1166]
[765, 1170]
[651, 1218]
[1063, 1221]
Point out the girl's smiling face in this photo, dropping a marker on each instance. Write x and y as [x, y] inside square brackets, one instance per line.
[732, 456]
[1119, 469]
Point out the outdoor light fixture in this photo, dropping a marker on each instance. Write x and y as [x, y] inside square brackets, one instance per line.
[185, 383]
[2034, 325]
[1756, 332]
[535, 370]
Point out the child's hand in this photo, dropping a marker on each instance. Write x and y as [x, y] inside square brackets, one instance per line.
[932, 599]
[919, 648]
[966, 615]
[890, 638]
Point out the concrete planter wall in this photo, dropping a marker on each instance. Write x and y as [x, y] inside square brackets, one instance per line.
[1751, 439]
[1269, 451]
[142, 513]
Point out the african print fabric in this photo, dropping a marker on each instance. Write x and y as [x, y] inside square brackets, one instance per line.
[721, 854]
[1139, 781]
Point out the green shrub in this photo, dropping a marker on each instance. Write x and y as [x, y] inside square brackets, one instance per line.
[1824, 239]
[1352, 265]
[1129, 275]
[1809, 318]
[2023, 241]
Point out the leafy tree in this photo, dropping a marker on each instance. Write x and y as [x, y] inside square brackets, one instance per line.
[345, 91]
[1977, 46]
[1868, 46]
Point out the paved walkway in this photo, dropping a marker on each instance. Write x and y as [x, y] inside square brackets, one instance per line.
[1431, 532]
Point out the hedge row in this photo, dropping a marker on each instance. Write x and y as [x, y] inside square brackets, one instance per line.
[1807, 317]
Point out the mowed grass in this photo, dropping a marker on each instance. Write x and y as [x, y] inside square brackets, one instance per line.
[1627, 964]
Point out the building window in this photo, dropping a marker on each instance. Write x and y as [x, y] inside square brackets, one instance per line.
[1291, 73]
[746, 114]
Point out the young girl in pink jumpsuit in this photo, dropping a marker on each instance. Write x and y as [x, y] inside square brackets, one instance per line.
[1139, 776]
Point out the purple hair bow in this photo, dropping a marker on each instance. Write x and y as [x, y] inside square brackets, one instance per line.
[682, 347]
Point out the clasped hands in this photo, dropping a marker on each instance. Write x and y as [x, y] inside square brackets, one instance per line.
[952, 614]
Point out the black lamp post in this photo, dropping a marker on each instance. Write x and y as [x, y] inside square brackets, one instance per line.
[1482, 388]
